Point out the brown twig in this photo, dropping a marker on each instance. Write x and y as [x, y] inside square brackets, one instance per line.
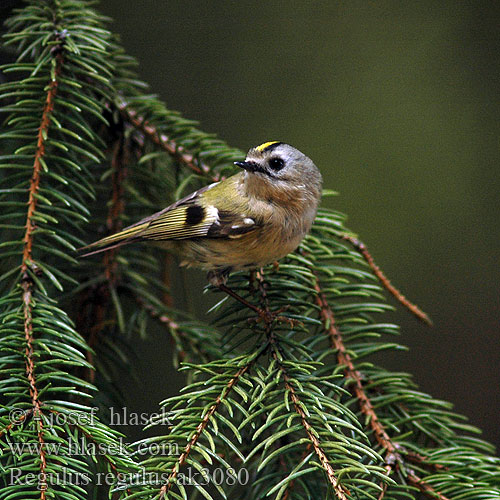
[94, 302]
[338, 488]
[37, 163]
[413, 308]
[393, 456]
[117, 207]
[340, 491]
[424, 487]
[350, 371]
[162, 140]
[199, 430]
[163, 318]
[263, 314]
[27, 263]
[18, 421]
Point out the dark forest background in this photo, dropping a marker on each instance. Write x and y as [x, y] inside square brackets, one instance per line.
[398, 105]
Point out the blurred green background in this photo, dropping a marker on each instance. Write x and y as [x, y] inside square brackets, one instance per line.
[397, 103]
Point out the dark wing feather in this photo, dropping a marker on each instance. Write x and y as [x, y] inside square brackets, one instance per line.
[188, 218]
[169, 223]
[230, 225]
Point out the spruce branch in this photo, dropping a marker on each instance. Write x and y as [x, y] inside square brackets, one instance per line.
[43, 131]
[345, 360]
[341, 492]
[424, 487]
[278, 354]
[187, 158]
[417, 458]
[116, 208]
[200, 429]
[14, 422]
[393, 457]
[27, 286]
[413, 308]
[28, 265]
[98, 297]
[49, 122]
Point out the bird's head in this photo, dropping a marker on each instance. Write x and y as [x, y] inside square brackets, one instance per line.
[282, 167]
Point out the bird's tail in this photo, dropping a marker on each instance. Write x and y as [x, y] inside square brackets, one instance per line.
[128, 235]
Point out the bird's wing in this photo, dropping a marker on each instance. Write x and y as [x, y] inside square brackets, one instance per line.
[190, 217]
[232, 225]
[194, 218]
[186, 218]
[166, 223]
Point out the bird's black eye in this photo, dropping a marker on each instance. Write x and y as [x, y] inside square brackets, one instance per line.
[276, 163]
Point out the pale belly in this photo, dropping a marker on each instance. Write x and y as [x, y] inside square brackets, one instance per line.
[246, 252]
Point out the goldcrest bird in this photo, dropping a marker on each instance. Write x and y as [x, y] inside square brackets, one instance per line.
[246, 221]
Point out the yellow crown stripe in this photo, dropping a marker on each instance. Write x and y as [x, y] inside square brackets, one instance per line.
[264, 146]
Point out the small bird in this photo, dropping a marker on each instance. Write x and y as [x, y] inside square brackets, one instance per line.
[246, 221]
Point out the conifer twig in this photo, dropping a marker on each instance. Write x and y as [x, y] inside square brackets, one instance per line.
[108, 460]
[27, 286]
[345, 360]
[27, 265]
[162, 140]
[393, 457]
[161, 317]
[117, 207]
[413, 308]
[419, 459]
[14, 422]
[37, 163]
[340, 491]
[199, 431]
[424, 487]
[100, 296]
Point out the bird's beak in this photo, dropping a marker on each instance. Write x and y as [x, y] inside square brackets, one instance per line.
[250, 166]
